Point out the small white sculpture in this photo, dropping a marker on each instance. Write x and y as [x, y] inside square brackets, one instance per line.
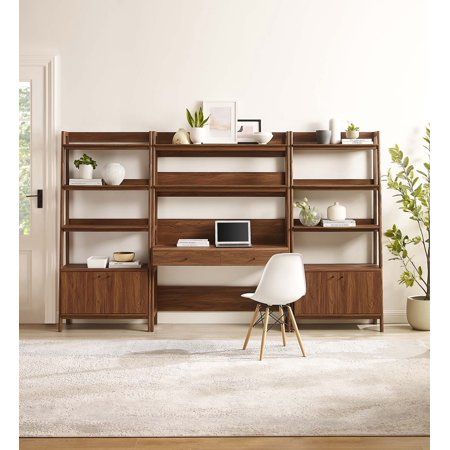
[181, 137]
[113, 173]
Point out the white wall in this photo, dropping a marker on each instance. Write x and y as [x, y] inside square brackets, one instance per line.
[135, 65]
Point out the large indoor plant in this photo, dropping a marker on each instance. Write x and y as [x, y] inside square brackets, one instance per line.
[412, 187]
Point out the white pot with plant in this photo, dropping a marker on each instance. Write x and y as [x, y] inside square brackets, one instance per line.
[352, 131]
[197, 123]
[412, 187]
[85, 166]
[309, 215]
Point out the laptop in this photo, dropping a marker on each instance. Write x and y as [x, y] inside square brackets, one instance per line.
[233, 233]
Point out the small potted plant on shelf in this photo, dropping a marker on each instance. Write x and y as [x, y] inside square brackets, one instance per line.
[85, 166]
[412, 187]
[309, 216]
[352, 131]
[197, 122]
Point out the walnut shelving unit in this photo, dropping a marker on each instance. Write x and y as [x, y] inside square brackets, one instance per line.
[334, 290]
[102, 293]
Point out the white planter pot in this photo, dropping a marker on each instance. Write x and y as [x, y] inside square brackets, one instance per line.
[197, 135]
[113, 173]
[352, 134]
[85, 171]
[418, 312]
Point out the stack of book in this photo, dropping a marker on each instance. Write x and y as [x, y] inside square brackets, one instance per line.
[83, 182]
[124, 265]
[193, 243]
[338, 223]
[356, 141]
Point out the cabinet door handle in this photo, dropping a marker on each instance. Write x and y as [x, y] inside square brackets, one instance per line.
[342, 276]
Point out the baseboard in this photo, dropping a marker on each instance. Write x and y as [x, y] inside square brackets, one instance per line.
[395, 316]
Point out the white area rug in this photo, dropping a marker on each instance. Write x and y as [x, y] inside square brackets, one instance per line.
[213, 388]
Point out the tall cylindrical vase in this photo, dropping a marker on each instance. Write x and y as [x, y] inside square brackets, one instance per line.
[335, 131]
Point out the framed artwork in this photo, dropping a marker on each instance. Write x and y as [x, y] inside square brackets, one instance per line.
[245, 130]
[222, 122]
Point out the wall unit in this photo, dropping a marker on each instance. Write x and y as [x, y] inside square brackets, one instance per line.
[101, 293]
[334, 290]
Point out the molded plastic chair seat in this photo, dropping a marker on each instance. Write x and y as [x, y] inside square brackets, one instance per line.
[282, 282]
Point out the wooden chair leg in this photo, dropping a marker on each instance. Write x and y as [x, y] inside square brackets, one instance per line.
[297, 333]
[264, 335]
[283, 330]
[250, 328]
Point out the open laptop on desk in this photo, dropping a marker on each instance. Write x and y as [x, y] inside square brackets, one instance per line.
[233, 233]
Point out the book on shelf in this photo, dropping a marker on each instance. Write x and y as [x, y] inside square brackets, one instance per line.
[193, 243]
[124, 265]
[347, 223]
[83, 182]
[356, 141]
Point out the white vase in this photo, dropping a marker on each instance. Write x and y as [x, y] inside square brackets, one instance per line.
[113, 173]
[418, 312]
[181, 137]
[197, 135]
[336, 212]
[335, 131]
[85, 171]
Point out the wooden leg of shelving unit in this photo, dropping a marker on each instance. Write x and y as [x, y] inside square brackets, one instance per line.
[155, 320]
[283, 331]
[381, 324]
[59, 325]
[250, 328]
[297, 333]
[264, 335]
[68, 321]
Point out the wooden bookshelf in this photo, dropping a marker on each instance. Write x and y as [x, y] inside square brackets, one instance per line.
[102, 293]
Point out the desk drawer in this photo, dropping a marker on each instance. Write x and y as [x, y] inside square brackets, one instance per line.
[186, 258]
[235, 257]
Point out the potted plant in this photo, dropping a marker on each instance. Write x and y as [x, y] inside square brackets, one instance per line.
[85, 166]
[412, 187]
[352, 131]
[309, 216]
[197, 122]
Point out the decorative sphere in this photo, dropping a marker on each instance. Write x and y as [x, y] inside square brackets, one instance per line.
[113, 173]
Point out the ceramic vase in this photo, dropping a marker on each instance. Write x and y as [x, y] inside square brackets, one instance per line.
[335, 131]
[113, 174]
[181, 137]
[197, 135]
[85, 171]
[323, 136]
[336, 212]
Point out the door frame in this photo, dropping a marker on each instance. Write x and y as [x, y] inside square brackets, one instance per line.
[49, 62]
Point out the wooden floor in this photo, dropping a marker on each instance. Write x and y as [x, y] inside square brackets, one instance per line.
[193, 331]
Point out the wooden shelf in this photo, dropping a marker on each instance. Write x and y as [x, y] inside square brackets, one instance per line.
[333, 147]
[106, 146]
[126, 185]
[84, 268]
[95, 225]
[219, 150]
[223, 191]
[361, 225]
[363, 267]
[336, 184]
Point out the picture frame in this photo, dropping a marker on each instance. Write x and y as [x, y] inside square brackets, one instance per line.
[222, 124]
[245, 130]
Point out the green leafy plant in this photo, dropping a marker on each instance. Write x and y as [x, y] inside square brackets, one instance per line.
[197, 120]
[412, 187]
[352, 127]
[86, 160]
[309, 215]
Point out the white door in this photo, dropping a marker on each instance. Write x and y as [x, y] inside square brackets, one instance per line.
[32, 142]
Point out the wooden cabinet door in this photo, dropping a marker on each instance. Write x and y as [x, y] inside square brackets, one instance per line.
[99, 293]
[130, 293]
[321, 294]
[360, 293]
[73, 292]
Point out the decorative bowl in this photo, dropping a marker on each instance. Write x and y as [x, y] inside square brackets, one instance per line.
[123, 256]
[263, 137]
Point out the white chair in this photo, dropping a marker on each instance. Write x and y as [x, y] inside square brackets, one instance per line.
[282, 282]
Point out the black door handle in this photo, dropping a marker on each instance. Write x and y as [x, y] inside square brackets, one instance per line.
[40, 197]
